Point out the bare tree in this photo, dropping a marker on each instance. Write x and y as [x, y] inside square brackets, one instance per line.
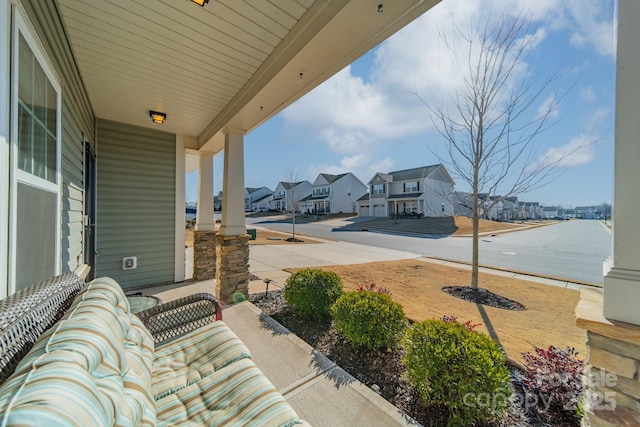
[294, 197]
[493, 119]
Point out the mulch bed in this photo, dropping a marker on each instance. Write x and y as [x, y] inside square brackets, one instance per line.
[382, 370]
[484, 297]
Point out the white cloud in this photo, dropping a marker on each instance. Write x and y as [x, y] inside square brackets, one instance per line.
[578, 151]
[549, 107]
[355, 116]
[587, 94]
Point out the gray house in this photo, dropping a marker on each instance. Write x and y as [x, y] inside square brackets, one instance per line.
[335, 194]
[423, 191]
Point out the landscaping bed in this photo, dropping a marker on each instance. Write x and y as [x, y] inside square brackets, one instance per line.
[384, 372]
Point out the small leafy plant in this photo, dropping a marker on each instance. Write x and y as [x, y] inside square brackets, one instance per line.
[554, 375]
[369, 319]
[311, 292]
[373, 288]
[457, 369]
[468, 325]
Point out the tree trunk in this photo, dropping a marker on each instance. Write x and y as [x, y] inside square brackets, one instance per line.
[293, 223]
[475, 220]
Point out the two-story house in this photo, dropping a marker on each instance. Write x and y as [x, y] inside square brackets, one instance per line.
[426, 191]
[549, 212]
[257, 199]
[334, 194]
[290, 195]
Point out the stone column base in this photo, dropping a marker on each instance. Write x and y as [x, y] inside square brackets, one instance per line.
[611, 382]
[204, 255]
[232, 269]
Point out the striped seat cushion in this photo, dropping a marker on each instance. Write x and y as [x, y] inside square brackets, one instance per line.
[236, 395]
[93, 367]
[193, 356]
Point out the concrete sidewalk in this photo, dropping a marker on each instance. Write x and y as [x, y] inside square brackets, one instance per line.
[321, 392]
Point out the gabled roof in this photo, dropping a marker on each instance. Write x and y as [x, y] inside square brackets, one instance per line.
[411, 174]
[415, 173]
[290, 185]
[364, 197]
[332, 178]
[262, 198]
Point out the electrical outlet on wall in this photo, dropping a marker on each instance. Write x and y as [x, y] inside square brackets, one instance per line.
[129, 263]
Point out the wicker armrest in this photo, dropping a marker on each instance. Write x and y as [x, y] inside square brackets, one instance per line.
[26, 314]
[176, 318]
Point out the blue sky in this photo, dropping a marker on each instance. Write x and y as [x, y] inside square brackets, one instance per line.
[367, 119]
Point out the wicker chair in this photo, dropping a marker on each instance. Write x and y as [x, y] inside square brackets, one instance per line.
[25, 315]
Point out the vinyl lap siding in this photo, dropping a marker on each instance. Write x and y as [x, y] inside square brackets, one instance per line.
[77, 118]
[136, 203]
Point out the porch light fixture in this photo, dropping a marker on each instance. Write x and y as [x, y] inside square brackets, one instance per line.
[200, 2]
[157, 117]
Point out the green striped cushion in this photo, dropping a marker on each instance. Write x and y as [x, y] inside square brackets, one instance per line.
[193, 356]
[93, 367]
[236, 395]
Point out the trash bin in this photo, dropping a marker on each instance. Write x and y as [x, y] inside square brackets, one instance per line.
[252, 233]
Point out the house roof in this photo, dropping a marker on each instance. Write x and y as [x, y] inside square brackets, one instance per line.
[332, 178]
[290, 185]
[365, 196]
[232, 64]
[415, 173]
[262, 198]
[549, 209]
[411, 174]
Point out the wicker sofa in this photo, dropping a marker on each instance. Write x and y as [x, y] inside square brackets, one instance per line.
[74, 354]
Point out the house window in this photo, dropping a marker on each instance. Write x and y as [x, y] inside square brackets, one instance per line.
[411, 187]
[35, 162]
[378, 189]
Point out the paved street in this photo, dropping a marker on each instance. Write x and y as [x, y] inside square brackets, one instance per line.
[573, 250]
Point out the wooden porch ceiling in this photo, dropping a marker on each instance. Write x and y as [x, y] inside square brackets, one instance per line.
[232, 63]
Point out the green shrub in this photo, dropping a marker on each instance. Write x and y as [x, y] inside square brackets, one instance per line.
[310, 293]
[461, 370]
[369, 319]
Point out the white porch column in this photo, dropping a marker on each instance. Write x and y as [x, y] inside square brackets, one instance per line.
[622, 282]
[204, 212]
[232, 242]
[611, 318]
[233, 185]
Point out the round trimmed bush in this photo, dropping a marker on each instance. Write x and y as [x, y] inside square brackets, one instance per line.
[369, 319]
[311, 292]
[461, 370]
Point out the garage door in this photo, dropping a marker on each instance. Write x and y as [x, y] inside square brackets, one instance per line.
[378, 210]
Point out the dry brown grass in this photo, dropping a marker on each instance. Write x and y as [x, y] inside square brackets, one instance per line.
[466, 227]
[417, 285]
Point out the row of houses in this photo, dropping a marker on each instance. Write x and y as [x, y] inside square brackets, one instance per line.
[417, 192]
[510, 208]
[422, 191]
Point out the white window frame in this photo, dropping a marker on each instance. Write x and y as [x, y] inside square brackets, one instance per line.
[21, 26]
[5, 68]
[411, 187]
[373, 189]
